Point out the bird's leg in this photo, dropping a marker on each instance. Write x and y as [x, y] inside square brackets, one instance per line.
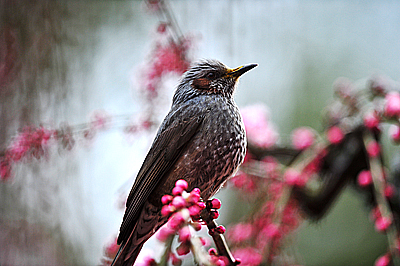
[216, 231]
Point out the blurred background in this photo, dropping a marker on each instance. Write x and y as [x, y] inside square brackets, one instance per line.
[62, 60]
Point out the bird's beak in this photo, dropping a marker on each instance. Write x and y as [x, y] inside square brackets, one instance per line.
[237, 72]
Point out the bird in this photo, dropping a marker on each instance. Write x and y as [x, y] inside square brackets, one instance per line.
[201, 140]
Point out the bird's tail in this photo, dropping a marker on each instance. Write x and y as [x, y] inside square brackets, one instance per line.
[127, 253]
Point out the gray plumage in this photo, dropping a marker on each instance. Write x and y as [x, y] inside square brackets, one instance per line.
[202, 140]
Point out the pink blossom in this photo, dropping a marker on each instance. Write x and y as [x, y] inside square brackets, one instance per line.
[220, 229]
[212, 252]
[240, 232]
[196, 226]
[166, 199]
[99, 119]
[294, 178]
[176, 221]
[177, 191]
[259, 129]
[166, 210]
[371, 120]
[243, 181]
[162, 27]
[214, 214]
[392, 105]
[382, 223]
[248, 256]
[383, 260]
[194, 196]
[335, 135]
[373, 149]
[184, 234]
[183, 249]
[271, 231]
[389, 191]
[201, 204]
[375, 213]
[194, 211]
[5, 169]
[214, 204]
[394, 132]
[302, 138]
[112, 249]
[364, 178]
[182, 184]
[269, 208]
[164, 233]
[220, 262]
[179, 202]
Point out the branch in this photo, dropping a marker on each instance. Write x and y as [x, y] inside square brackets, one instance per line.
[219, 239]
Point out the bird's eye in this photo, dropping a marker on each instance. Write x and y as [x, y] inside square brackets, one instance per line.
[211, 75]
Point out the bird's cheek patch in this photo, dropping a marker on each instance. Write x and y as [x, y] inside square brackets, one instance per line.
[201, 83]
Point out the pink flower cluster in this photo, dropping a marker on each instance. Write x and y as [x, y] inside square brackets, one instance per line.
[166, 58]
[302, 138]
[183, 211]
[262, 233]
[30, 143]
[259, 128]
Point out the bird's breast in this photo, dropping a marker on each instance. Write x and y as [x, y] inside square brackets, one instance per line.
[216, 151]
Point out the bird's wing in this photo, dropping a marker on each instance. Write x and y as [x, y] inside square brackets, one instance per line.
[162, 155]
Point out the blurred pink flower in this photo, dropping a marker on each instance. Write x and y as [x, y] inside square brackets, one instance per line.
[371, 120]
[382, 223]
[5, 169]
[99, 120]
[294, 178]
[389, 191]
[335, 135]
[383, 260]
[302, 138]
[373, 149]
[392, 104]
[259, 129]
[364, 178]
[394, 133]
[248, 256]
[240, 232]
[271, 231]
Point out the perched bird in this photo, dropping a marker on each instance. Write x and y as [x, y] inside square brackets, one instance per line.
[201, 140]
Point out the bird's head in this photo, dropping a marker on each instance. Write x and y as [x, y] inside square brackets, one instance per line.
[211, 77]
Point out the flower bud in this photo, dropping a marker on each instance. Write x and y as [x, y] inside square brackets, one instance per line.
[382, 223]
[364, 178]
[177, 191]
[183, 249]
[302, 138]
[214, 214]
[201, 204]
[184, 234]
[392, 105]
[335, 135]
[212, 252]
[167, 210]
[214, 204]
[373, 149]
[182, 184]
[164, 233]
[179, 202]
[166, 199]
[176, 221]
